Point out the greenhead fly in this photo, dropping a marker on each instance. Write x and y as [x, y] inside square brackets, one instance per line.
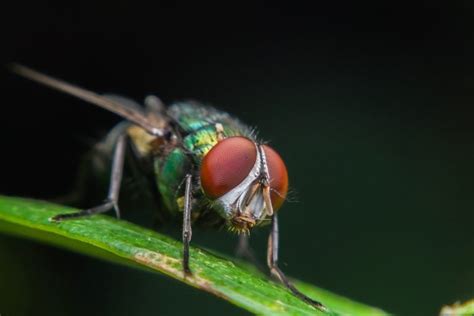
[205, 165]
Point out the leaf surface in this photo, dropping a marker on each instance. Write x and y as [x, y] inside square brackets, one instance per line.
[126, 243]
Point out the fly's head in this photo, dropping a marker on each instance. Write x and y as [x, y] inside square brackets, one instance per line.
[247, 181]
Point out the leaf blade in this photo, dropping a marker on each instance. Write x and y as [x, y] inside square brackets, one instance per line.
[125, 243]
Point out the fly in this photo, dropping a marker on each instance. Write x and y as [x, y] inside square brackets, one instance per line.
[205, 163]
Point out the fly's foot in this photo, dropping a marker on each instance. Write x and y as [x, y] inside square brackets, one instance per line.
[186, 270]
[187, 273]
[278, 274]
[107, 205]
[56, 218]
[315, 304]
[62, 217]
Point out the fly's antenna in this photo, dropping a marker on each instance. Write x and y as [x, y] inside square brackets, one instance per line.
[88, 96]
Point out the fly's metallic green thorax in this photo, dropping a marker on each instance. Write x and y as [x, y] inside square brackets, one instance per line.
[198, 122]
[196, 125]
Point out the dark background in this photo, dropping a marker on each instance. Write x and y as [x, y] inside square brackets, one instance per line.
[370, 104]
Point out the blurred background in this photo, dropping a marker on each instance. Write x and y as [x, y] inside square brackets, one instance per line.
[370, 104]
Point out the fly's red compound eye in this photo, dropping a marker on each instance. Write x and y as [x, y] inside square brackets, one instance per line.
[278, 177]
[226, 165]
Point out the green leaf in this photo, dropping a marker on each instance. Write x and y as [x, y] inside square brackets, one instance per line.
[120, 241]
[458, 309]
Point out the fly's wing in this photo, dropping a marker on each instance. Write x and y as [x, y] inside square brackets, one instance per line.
[118, 105]
[124, 101]
[153, 111]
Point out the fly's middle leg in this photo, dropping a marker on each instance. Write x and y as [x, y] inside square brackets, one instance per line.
[272, 259]
[114, 188]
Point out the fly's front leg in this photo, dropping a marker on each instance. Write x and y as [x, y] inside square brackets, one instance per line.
[243, 248]
[272, 260]
[114, 188]
[187, 232]
[245, 251]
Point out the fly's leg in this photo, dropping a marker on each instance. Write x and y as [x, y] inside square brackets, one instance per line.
[114, 188]
[187, 232]
[244, 250]
[272, 260]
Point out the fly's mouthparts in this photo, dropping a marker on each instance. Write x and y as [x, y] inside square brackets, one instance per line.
[251, 194]
[268, 200]
[242, 223]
